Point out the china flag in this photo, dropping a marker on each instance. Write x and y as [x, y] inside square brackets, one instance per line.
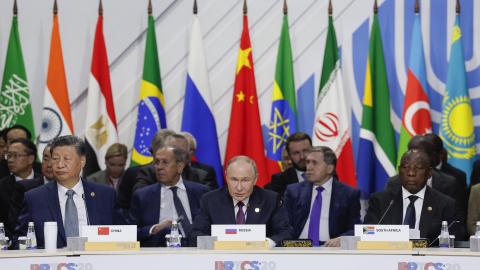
[244, 133]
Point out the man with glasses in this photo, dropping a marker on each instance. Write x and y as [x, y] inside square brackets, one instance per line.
[69, 200]
[20, 156]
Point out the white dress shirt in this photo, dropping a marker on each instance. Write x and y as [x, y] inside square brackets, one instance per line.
[300, 175]
[324, 231]
[29, 177]
[77, 199]
[418, 204]
[244, 207]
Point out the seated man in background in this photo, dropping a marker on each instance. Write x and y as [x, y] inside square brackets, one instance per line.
[241, 202]
[473, 209]
[298, 144]
[69, 200]
[47, 170]
[155, 206]
[115, 161]
[20, 156]
[10, 134]
[322, 208]
[413, 203]
[3, 149]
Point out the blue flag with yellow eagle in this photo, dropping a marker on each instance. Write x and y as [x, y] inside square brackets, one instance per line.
[457, 131]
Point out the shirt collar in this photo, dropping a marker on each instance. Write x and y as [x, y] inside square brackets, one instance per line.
[179, 184]
[78, 188]
[245, 201]
[327, 186]
[420, 194]
[30, 176]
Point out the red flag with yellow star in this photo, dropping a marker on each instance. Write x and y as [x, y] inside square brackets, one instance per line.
[244, 133]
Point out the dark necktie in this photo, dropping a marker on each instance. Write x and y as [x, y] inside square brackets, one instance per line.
[410, 215]
[71, 216]
[315, 213]
[240, 219]
[186, 225]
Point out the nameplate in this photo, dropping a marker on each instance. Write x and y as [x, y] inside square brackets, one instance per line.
[109, 233]
[240, 245]
[382, 232]
[236, 232]
[109, 246]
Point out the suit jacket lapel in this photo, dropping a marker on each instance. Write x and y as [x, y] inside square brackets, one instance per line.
[54, 207]
[332, 214]
[90, 199]
[396, 212]
[155, 197]
[254, 209]
[427, 207]
[305, 192]
[192, 201]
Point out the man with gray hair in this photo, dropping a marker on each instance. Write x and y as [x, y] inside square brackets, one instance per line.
[154, 207]
[146, 175]
[69, 200]
[194, 163]
[242, 202]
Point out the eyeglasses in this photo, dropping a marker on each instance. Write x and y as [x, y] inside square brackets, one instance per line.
[15, 155]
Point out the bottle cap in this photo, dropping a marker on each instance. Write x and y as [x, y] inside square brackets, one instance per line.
[30, 223]
[478, 223]
[1, 224]
[444, 222]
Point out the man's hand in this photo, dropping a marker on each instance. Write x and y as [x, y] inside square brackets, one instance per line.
[335, 242]
[166, 223]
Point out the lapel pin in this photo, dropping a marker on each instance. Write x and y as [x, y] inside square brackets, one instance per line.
[257, 210]
[429, 208]
[92, 194]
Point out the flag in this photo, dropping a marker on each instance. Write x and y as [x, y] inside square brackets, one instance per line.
[56, 116]
[198, 116]
[15, 106]
[283, 116]
[377, 141]
[332, 123]
[416, 107]
[244, 133]
[456, 128]
[151, 115]
[101, 124]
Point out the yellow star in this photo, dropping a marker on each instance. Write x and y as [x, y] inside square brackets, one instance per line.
[243, 59]
[240, 96]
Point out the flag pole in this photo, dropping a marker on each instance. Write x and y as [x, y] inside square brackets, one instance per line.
[375, 7]
[457, 7]
[195, 7]
[100, 9]
[285, 7]
[55, 8]
[15, 8]
[330, 8]
[149, 10]
[417, 7]
[245, 9]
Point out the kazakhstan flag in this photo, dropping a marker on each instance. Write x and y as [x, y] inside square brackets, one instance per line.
[456, 129]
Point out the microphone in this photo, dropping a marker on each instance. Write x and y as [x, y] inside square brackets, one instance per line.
[449, 225]
[386, 211]
[86, 209]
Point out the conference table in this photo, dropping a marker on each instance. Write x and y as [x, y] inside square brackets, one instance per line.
[276, 258]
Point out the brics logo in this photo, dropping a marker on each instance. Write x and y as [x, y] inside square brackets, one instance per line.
[62, 266]
[244, 265]
[427, 266]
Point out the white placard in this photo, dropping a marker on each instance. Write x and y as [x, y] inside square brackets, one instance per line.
[368, 232]
[235, 232]
[109, 233]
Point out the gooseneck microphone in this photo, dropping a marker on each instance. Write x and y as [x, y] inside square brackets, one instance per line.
[86, 208]
[449, 225]
[386, 211]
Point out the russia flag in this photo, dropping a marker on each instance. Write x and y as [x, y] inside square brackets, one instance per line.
[197, 113]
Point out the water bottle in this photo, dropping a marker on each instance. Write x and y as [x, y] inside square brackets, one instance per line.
[3, 238]
[477, 230]
[31, 238]
[174, 239]
[444, 237]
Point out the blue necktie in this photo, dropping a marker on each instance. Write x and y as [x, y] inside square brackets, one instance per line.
[315, 213]
[71, 216]
[410, 215]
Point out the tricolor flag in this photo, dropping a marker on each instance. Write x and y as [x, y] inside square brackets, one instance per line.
[283, 118]
[244, 133]
[151, 115]
[56, 116]
[15, 106]
[332, 122]
[198, 118]
[101, 124]
[377, 140]
[416, 108]
[457, 130]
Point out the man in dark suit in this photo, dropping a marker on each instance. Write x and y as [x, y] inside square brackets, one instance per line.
[20, 155]
[70, 201]
[322, 208]
[438, 180]
[146, 175]
[298, 144]
[3, 149]
[155, 206]
[192, 145]
[413, 202]
[241, 202]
